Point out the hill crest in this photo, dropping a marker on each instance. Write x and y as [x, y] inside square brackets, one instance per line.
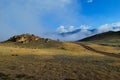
[109, 36]
[31, 41]
[27, 38]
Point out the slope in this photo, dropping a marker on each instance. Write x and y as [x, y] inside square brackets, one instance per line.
[109, 37]
[31, 41]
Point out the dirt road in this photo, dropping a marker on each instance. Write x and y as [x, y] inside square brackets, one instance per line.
[100, 52]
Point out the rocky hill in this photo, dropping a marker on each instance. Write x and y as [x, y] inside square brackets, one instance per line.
[32, 41]
[27, 38]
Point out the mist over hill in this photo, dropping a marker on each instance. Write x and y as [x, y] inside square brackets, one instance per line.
[74, 33]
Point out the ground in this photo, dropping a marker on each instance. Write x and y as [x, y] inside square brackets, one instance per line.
[71, 62]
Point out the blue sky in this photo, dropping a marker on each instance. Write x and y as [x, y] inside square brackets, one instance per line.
[42, 16]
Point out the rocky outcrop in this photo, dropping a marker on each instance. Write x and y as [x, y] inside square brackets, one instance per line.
[32, 41]
[25, 38]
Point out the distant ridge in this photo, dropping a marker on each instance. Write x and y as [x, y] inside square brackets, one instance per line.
[110, 36]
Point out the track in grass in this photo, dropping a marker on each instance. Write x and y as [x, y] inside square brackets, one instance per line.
[101, 52]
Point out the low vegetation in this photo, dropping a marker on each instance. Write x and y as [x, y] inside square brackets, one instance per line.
[105, 48]
[52, 60]
[106, 37]
[70, 62]
[59, 67]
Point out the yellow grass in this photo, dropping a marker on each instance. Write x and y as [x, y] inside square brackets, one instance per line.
[104, 48]
[71, 62]
[69, 49]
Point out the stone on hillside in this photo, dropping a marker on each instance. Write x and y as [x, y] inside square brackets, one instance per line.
[24, 38]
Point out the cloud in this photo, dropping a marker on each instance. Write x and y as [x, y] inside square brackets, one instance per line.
[104, 28]
[83, 31]
[69, 33]
[71, 28]
[42, 16]
[34, 16]
[61, 29]
[89, 1]
[109, 27]
[84, 27]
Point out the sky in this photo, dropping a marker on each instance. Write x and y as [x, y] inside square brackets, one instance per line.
[48, 16]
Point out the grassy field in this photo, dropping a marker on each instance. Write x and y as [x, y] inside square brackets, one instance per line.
[105, 48]
[70, 62]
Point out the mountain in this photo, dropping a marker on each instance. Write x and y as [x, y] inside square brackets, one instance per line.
[110, 36]
[31, 41]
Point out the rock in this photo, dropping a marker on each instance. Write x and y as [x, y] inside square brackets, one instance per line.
[47, 40]
[24, 38]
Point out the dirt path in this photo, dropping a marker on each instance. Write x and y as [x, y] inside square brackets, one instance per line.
[100, 52]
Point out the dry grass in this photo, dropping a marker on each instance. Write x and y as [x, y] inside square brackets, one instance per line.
[67, 49]
[104, 48]
[70, 62]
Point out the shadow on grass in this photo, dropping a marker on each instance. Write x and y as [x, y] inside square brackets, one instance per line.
[5, 77]
[62, 67]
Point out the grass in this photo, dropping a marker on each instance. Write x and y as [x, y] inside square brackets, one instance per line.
[34, 45]
[111, 44]
[67, 48]
[105, 48]
[61, 67]
[70, 62]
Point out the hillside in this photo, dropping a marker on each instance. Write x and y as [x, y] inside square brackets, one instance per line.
[74, 62]
[109, 37]
[30, 57]
[31, 41]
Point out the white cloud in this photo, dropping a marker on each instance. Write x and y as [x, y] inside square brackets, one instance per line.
[85, 31]
[84, 27]
[27, 16]
[71, 28]
[104, 28]
[62, 29]
[89, 1]
[109, 27]
[116, 26]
